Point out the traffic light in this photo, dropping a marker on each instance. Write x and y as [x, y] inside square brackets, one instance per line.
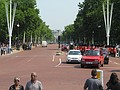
[59, 41]
[58, 38]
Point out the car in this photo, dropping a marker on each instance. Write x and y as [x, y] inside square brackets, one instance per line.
[64, 47]
[92, 57]
[106, 55]
[27, 46]
[44, 43]
[74, 56]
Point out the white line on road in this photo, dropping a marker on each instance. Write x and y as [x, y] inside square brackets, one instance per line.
[28, 60]
[59, 62]
[53, 59]
[116, 63]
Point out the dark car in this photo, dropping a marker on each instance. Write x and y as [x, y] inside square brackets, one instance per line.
[27, 46]
[106, 55]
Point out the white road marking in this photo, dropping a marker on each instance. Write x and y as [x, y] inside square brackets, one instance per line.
[53, 59]
[28, 60]
[116, 63]
[110, 60]
[59, 62]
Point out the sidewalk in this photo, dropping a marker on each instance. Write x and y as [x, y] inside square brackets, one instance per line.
[13, 52]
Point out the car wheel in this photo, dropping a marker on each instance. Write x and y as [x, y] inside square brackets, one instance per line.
[67, 62]
[98, 66]
[102, 65]
[107, 62]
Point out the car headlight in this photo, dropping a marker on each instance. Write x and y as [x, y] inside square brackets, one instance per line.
[79, 58]
[68, 58]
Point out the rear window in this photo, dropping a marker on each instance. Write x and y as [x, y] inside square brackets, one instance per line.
[92, 53]
[74, 53]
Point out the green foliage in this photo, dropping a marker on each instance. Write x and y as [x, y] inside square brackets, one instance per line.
[90, 23]
[68, 33]
[28, 17]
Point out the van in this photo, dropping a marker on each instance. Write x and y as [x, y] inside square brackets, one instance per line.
[44, 43]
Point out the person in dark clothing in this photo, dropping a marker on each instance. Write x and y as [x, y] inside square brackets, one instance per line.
[93, 83]
[16, 85]
[113, 83]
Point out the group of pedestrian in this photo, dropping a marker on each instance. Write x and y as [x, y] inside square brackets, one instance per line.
[94, 83]
[33, 84]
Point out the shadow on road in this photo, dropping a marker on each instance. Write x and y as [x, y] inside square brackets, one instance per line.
[52, 49]
[79, 66]
[115, 71]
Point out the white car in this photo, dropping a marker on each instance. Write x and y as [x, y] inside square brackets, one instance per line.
[74, 56]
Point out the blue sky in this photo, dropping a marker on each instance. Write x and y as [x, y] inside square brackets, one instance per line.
[58, 13]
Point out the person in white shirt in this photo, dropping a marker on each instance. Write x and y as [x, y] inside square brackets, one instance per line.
[34, 84]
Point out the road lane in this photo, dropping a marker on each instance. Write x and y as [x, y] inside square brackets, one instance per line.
[52, 70]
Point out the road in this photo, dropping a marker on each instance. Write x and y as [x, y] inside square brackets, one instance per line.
[52, 70]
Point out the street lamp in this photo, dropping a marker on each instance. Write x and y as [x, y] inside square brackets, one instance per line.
[18, 46]
[98, 35]
[58, 38]
[18, 30]
[92, 37]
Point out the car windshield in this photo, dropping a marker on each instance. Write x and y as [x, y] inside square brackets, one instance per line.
[92, 53]
[104, 51]
[74, 53]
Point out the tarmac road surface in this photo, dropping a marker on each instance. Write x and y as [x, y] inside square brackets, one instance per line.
[52, 70]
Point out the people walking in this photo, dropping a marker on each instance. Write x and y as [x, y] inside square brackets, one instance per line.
[34, 84]
[16, 85]
[93, 83]
[114, 82]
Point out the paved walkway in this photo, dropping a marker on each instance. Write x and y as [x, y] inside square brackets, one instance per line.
[13, 52]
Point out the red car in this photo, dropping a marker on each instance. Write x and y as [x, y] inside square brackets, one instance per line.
[92, 57]
[64, 47]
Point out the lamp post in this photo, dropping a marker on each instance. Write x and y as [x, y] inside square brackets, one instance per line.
[10, 20]
[58, 38]
[99, 41]
[92, 37]
[18, 44]
[18, 31]
[107, 19]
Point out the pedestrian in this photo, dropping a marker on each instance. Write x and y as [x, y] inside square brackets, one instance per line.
[34, 84]
[16, 85]
[93, 83]
[113, 83]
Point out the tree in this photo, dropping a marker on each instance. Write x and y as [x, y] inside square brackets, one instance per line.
[68, 33]
[27, 16]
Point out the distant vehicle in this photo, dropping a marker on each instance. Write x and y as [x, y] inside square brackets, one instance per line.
[74, 56]
[44, 43]
[27, 46]
[111, 49]
[106, 55]
[64, 47]
[92, 57]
